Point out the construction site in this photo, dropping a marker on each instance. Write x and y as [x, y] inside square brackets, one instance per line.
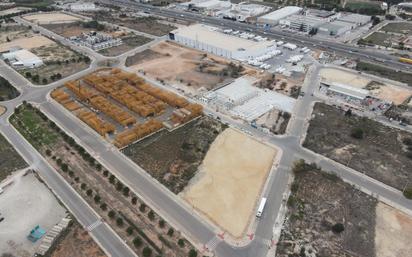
[122, 107]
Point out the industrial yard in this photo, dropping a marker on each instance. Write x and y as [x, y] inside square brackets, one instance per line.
[122, 107]
[350, 139]
[230, 180]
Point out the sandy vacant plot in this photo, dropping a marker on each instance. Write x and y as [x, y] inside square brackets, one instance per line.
[385, 91]
[229, 182]
[27, 43]
[45, 18]
[393, 232]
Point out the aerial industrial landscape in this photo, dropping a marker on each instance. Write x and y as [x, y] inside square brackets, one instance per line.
[270, 128]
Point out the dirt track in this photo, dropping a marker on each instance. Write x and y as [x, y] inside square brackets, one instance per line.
[230, 180]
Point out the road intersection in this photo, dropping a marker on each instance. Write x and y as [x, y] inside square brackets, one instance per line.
[168, 205]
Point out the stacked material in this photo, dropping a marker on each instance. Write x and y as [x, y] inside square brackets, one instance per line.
[113, 111]
[100, 126]
[183, 115]
[137, 132]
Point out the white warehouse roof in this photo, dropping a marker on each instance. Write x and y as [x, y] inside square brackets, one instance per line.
[358, 93]
[279, 14]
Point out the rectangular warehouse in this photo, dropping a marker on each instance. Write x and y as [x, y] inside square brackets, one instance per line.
[210, 39]
[273, 18]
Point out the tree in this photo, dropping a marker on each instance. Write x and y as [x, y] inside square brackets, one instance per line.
[126, 191]
[151, 215]
[103, 206]
[119, 222]
[112, 179]
[44, 81]
[28, 74]
[105, 173]
[161, 223]
[111, 214]
[170, 232]
[181, 242]
[89, 192]
[129, 230]
[64, 167]
[192, 253]
[134, 200]
[338, 228]
[48, 152]
[147, 252]
[83, 186]
[142, 207]
[97, 198]
[357, 133]
[137, 242]
[119, 186]
[408, 192]
[98, 167]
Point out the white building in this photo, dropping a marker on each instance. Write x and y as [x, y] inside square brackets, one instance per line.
[302, 22]
[82, 7]
[243, 12]
[274, 17]
[210, 39]
[23, 59]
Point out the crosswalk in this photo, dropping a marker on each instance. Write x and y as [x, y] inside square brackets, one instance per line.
[94, 225]
[211, 245]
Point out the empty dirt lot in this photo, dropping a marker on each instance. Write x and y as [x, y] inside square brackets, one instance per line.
[187, 68]
[174, 157]
[46, 18]
[393, 232]
[26, 43]
[10, 160]
[317, 203]
[381, 90]
[330, 133]
[229, 182]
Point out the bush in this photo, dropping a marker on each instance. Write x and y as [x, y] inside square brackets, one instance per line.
[338, 228]
[64, 167]
[111, 214]
[126, 191]
[112, 179]
[97, 198]
[48, 152]
[192, 253]
[105, 173]
[170, 232]
[357, 133]
[89, 192]
[129, 230]
[119, 186]
[147, 252]
[161, 223]
[142, 207]
[103, 206]
[119, 222]
[181, 242]
[134, 200]
[137, 242]
[98, 167]
[408, 192]
[151, 215]
[83, 186]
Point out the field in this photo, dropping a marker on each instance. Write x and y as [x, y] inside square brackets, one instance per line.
[189, 69]
[174, 157]
[350, 140]
[27, 43]
[379, 38]
[13, 32]
[34, 3]
[398, 27]
[46, 18]
[10, 160]
[378, 70]
[68, 29]
[381, 90]
[139, 226]
[317, 204]
[24, 204]
[130, 42]
[149, 25]
[7, 91]
[76, 242]
[230, 180]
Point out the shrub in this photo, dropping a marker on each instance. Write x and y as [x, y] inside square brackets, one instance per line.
[103, 206]
[119, 186]
[105, 173]
[111, 214]
[83, 186]
[129, 230]
[134, 200]
[142, 207]
[97, 198]
[48, 152]
[181, 242]
[112, 179]
[137, 242]
[170, 232]
[119, 222]
[71, 173]
[192, 253]
[98, 167]
[151, 215]
[89, 192]
[147, 252]
[161, 223]
[338, 228]
[65, 167]
[408, 192]
[357, 133]
[126, 191]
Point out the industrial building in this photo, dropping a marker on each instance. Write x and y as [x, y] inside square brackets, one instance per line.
[212, 40]
[274, 17]
[82, 7]
[243, 12]
[22, 58]
[96, 40]
[208, 7]
[356, 19]
[335, 28]
[346, 90]
[243, 100]
[302, 23]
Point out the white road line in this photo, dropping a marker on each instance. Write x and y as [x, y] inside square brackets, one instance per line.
[211, 245]
[94, 225]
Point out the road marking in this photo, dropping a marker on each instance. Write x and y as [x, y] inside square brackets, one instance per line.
[211, 245]
[94, 225]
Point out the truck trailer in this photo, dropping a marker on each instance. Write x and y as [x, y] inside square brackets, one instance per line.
[261, 207]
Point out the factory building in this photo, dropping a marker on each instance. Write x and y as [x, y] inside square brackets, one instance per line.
[243, 12]
[335, 28]
[356, 19]
[274, 17]
[22, 59]
[302, 23]
[210, 39]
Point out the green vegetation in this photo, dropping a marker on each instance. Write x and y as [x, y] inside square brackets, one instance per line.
[10, 160]
[385, 72]
[408, 192]
[93, 25]
[39, 4]
[338, 228]
[7, 91]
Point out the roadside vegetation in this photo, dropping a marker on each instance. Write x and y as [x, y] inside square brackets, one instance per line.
[378, 70]
[10, 160]
[7, 91]
[144, 230]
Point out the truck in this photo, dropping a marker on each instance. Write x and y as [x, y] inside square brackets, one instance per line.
[405, 60]
[261, 207]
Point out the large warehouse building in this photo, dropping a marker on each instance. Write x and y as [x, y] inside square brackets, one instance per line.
[210, 39]
[273, 18]
[23, 58]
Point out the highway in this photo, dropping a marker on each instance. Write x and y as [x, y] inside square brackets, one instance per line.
[169, 206]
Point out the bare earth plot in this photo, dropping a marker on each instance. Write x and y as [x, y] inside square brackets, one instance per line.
[10, 160]
[76, 242]
[25, 204]
[381, 90]
[188, 68]
[380, 153]
[46, 18]
[230, 180]
[317, 203]
[27, 43]
[393, 232]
